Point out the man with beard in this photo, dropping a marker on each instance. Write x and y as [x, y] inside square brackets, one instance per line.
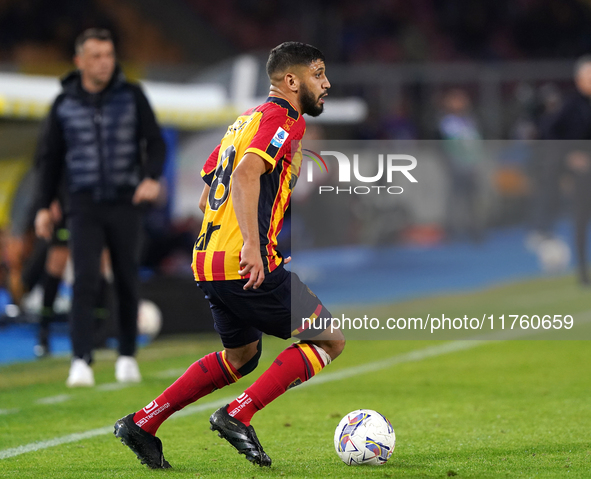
[249, 178]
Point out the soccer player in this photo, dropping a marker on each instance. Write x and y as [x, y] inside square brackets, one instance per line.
[249, 178]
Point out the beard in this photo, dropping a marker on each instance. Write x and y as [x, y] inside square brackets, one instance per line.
[309, 103]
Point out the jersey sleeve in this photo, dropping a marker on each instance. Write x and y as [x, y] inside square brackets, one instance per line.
[273, 137]
[210, 165]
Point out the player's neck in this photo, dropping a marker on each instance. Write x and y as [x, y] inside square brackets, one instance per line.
[290, 96]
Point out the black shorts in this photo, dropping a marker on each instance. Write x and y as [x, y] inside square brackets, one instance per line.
[277, 308]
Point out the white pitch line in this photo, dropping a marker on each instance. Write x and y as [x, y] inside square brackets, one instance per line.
[8, 411]
[113, 386]
[37, 446]
[410, 356]
[54, 399]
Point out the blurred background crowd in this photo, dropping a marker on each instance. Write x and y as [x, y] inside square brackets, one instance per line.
[350, 32]
[483, 71]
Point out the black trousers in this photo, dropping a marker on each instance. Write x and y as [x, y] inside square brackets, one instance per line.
[118, 226]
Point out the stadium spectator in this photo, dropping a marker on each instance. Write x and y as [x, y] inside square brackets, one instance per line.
[249, 177]
[102, 135]
[398, 124]
[54, 263]
[573, 122]
[464, 156]
[545, 200]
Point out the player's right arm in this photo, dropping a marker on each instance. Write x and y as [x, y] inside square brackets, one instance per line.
[246, 186]
[203, 199]
[207, 174]
[49, 164]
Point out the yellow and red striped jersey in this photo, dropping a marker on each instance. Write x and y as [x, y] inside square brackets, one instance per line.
[267, 130]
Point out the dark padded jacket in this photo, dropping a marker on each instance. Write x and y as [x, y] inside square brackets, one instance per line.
[571, 122]
[102, 145]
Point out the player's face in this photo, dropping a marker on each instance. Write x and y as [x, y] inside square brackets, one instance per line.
[313, 88]
[96, 62]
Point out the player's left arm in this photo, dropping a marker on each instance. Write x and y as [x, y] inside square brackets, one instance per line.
[152, 149]
[246, 187]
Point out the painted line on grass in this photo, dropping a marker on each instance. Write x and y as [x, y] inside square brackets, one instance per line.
[102, 388]
[66, 397]
[374, 366]
[411, 356]
[54, 399]
[4, 412]
[37, 446]
[113, 386]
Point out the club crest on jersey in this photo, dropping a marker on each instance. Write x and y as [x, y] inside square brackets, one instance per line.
[279, 138]
[288, 124]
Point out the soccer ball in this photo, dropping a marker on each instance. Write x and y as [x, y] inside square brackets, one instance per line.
[554, 255]
[364, 437]
[149, 318]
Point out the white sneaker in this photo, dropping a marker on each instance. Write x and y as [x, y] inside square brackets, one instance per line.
[81, 374]
[127, 370]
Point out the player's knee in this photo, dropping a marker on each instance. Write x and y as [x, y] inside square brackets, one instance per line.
[337, 348]
[333, 347]
[252, 363]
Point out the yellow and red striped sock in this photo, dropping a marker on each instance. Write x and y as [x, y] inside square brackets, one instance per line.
[203, 377]
[296, 364]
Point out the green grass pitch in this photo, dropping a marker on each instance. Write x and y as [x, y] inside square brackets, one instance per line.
[465, 409]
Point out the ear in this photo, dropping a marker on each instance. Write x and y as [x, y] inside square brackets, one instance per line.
[292, 82]
[77, 61]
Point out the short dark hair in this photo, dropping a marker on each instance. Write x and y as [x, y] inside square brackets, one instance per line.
[289, 54]
[96, 33]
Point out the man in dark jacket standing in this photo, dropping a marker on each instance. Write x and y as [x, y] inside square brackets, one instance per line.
[572, 123]
[101, 138]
